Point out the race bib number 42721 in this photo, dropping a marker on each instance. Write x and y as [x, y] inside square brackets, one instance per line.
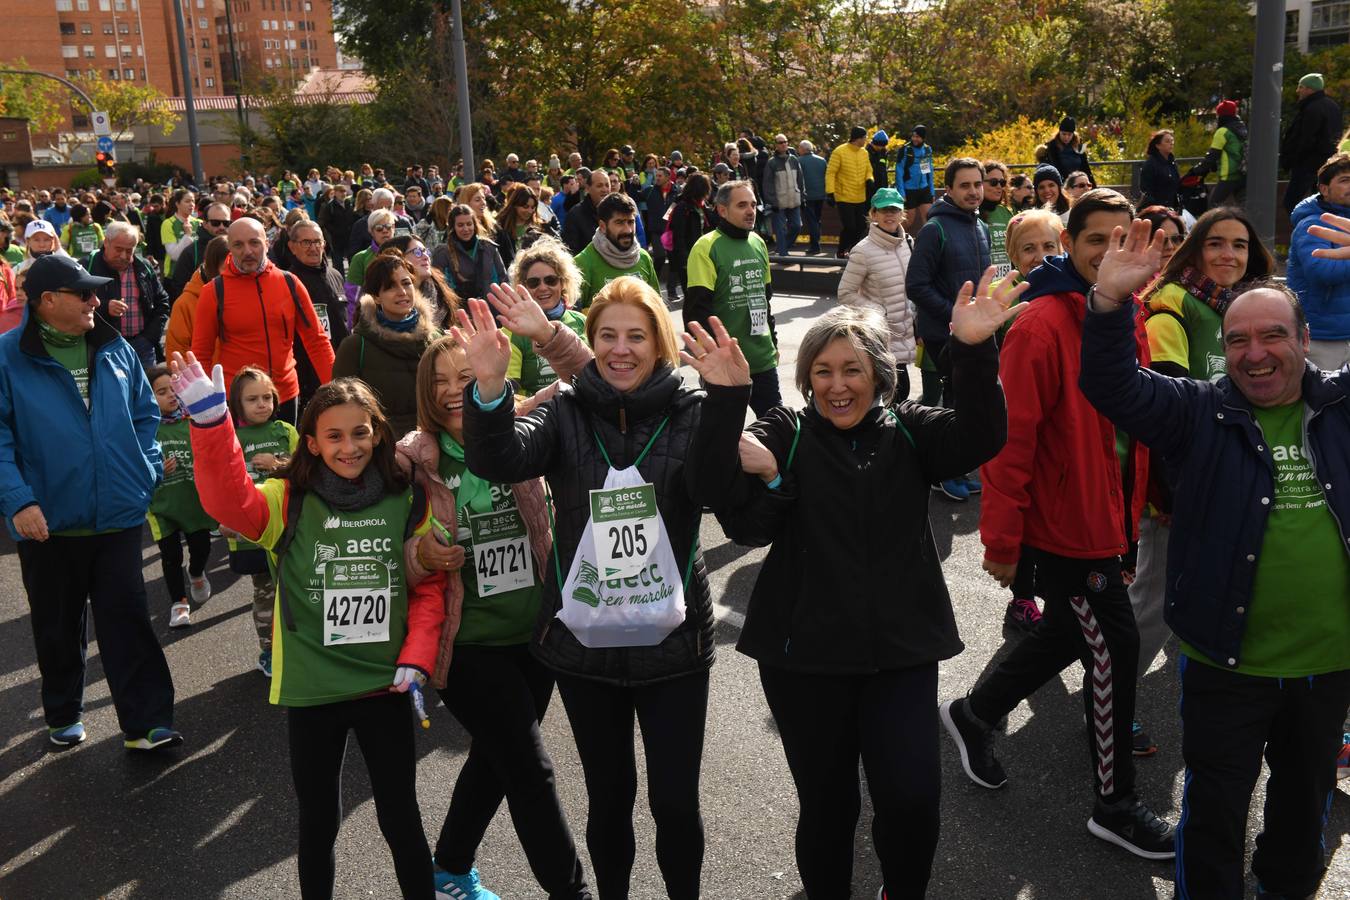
[625, 525]
[501, 552]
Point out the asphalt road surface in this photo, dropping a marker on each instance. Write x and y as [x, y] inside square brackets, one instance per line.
[215, 818]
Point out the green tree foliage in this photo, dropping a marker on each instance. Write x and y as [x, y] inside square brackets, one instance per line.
[555, 75]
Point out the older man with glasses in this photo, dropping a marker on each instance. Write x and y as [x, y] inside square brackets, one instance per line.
[310, 262]
[134, 299]
[81, 462]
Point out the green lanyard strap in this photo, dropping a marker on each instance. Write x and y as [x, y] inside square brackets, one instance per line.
[641, 456]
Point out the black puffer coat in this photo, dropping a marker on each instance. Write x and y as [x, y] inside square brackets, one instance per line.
[853, 582]
[691, 463]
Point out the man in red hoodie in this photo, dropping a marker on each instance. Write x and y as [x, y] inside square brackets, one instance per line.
[1065, 493]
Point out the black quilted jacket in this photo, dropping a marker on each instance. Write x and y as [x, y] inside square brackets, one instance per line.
[692, 464]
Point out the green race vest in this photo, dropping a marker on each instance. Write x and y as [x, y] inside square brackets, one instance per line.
[344, 582]
[737, 272]
[530, 369]
[275, 437]
[176, 506]
[998, 220]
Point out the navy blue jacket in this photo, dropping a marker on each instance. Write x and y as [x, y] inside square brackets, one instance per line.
[1221, 472]
[951, 249]
[94, 468]
[1322, 285]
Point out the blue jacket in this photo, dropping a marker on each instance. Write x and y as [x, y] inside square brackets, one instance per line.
[951, 249]
[1323, 285]
[1220, 470]
[909, 162]
[57, 217]
[94, 468]
[813, 170]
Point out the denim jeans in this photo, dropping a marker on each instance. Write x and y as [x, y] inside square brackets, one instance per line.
[811, 220]
[787, 223]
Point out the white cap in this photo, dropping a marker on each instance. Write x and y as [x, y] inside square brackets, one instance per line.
[39, 225]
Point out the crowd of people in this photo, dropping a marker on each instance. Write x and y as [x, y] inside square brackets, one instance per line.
[443, 429]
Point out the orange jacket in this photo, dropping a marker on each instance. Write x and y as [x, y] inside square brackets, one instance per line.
[11, 301]
[260, 324]
[178, 335]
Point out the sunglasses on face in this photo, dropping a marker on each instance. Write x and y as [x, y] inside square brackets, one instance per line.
[996, 182]
[218, 223]
[419, 252]
[383, 228]
[1080, 184]
[1175, 240]
[550, 280]
[85, 296]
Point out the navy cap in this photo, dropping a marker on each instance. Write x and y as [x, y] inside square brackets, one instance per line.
[58, 272]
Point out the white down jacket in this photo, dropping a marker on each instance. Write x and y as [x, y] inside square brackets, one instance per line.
[875, 278]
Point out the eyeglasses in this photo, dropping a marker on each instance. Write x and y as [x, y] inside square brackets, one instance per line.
[311, 243]
[1176, 240]
[382, 228]
[419, 252]
[550, 280]
[241, 206]
[996, 182]
[218, 223]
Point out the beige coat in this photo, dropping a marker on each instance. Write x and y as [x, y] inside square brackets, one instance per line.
[875, 279]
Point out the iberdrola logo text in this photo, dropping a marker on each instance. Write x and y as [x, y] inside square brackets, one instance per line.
[339, 522]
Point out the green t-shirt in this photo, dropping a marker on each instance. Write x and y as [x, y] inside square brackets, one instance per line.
[81, 240]
[1186, 331]
[997, 220]
[176, 505]
[1298, 618]
[275, 437]
[356, 269]
[504, 618]
[737, 273]
[530, 370]
[13, 254]
[75, 357]
[596, 273]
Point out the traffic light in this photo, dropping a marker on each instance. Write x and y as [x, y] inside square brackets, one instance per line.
[107, 166]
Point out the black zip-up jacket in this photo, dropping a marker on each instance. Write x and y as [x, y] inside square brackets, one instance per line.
[324, 284]
[154, 298]
[853, 580]
[691, 465]
[1313, 135]
[1159, 181]
[580, 225]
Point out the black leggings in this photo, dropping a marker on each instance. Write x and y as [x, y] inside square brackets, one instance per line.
[889, 720]
[672, 715]
[499, 695]
[171, 560]
[318, 738]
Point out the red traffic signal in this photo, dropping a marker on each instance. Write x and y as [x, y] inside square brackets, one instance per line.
[106, 165]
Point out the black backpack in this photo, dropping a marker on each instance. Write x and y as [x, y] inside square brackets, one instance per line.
[219, 284]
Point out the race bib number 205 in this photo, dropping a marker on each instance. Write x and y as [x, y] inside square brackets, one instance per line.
[625, 525]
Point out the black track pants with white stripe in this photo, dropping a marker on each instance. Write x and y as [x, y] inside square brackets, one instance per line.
[1087, 619]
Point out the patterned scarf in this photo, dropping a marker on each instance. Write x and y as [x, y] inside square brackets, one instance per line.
[57, 338]
[1203, 288]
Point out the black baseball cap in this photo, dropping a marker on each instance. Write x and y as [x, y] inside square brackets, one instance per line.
[57, 272]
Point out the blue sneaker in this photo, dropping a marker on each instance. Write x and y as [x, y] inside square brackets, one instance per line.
[973, 484]
[154, 739]
[68, 736]
[265, 663]
[461, 887]
[954, 489]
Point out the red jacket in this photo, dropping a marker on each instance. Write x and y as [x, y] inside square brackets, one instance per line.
[261, 321]
[1057, 484]
[224, 486]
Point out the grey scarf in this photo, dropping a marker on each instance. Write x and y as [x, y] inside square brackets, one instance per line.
[349, 496]
[611, 254]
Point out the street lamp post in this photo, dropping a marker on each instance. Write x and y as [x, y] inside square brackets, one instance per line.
[462, 85]
[198, 175]
[1264, 128]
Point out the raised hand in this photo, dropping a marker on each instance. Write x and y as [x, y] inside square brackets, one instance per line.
[489, 350]
[1337, 231]
[980, 312]
[520, 313]
[1132, 259]
[202, 398]
[717, 357]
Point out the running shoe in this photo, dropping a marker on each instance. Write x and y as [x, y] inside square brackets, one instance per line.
[461, 887]
[67, 736]
[975, 741]
[1022, 614]
[1132, 826]
[265, 663]
[1343, 760]
[1141, 743]
[200, 589]
[953, 489]
[973, 484]
[154, 739]
[180, 614]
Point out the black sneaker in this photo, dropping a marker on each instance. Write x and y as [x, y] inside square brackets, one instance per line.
[975, 740]
[1131, 825]
[1022, 614]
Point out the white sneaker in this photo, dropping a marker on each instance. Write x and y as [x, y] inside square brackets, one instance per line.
[200, 589]
[180, 615]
